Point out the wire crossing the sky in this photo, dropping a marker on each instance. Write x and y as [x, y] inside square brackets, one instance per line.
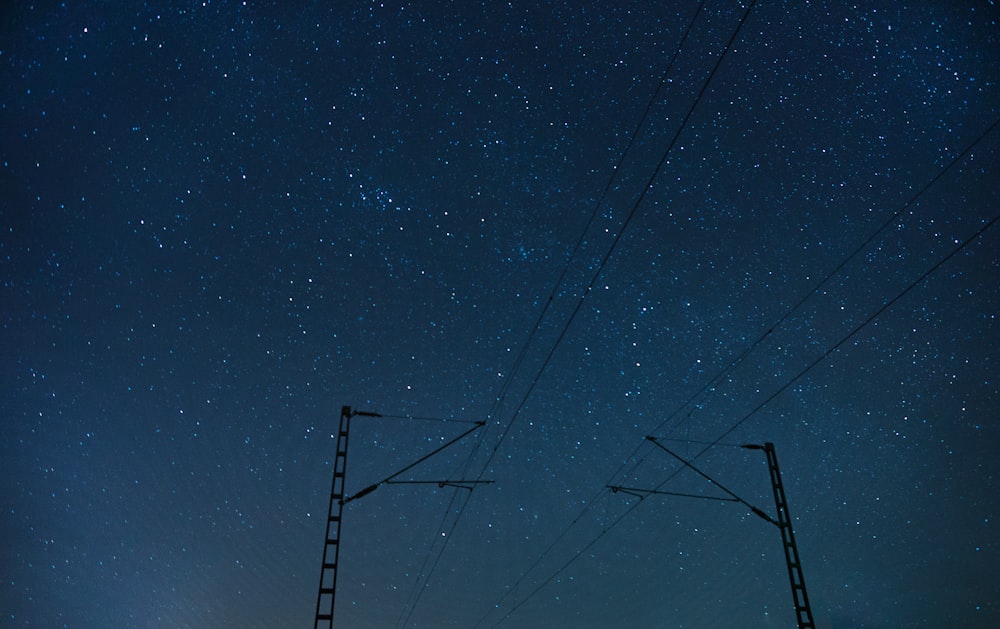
[783, 388]
[579, 243]
[447, 420]
[600, 268]
[888, 304]
[859, 327]
[497, 405]
[628, 219]
[709, 386]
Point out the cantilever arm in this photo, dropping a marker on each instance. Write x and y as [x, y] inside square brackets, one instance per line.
[642, 493]
[735, 498]
[369, 489]
[458, 484]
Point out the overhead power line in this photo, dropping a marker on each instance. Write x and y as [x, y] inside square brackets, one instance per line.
[597, 274]
[888, 304]
[497, 405]
[857, 329]
[498, 402]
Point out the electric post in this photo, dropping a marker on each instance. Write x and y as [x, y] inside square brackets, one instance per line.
[803, 613]
[331, 548]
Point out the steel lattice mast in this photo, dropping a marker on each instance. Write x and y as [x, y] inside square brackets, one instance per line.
[803, 613]
[331, 548]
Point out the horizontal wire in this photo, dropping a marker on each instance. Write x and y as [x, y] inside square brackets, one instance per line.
[429, 419]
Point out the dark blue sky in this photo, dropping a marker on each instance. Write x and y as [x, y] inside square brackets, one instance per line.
[223, 221]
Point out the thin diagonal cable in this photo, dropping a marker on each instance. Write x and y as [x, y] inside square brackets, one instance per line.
[579, 243]
[589, 504]
[600, 268]
[736, 362]
[756, 409]
[760, 406]
[424, 573]
[838, 344]
[709, 386]
[568, 563]
[826, 278]
[420, 584]
[853, 254]
[856, 329]
[617, 239]
[519, 359]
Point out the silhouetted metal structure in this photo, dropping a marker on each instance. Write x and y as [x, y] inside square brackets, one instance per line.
[331, 548]
[803, 613]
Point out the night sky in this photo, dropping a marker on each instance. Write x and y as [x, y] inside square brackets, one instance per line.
[223, 221]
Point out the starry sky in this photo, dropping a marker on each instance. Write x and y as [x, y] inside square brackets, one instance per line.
[581, 223]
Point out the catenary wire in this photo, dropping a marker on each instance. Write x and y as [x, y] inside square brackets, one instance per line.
[855, 330]
[497, 405]
[739, 359]
[600, 268]
[965, 243]
[617, 238]
[781, 389]
[705, 390]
